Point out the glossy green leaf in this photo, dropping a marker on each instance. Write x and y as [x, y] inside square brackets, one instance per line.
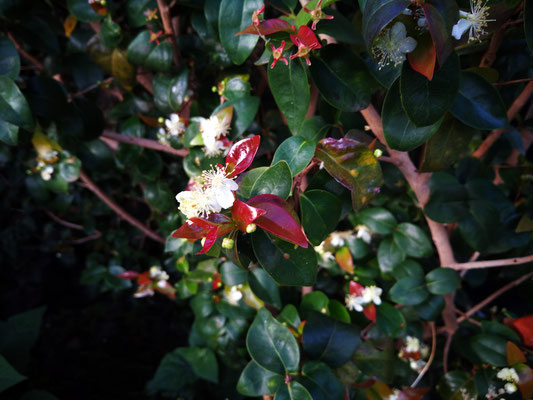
[479, 226]
[425, 102]
[159, 195]
[170, 91]
[277, 180]
[314, 301]
[13, 105]
[408, 269]
[321, 382]
[430, 309]
[171, 375]
[111, 32]
[376, 362]
[441, 16]
[244, 111]
[290, 89]
[378, 220]
[157, 57]
[9, 133]
[338, 310]
[390, 322]
[232, 275]
[293, 391]
[313, 129]
[341, 28]
[289, 316]
[202, 361]
[400, 132]
[448, 199]
[286, 5]
[9, 376]
[82, 10]
[390, 254]
[272, 345]
[287, 265]
[264, 287]
[455, 385]
[9, 58]
[296, 151]
[409, 291]
[413, 240]
[69, 169]
[490, 348]
[320, 212]
[478, 104]
[342, 78]
[257, 381]
[135, 10]
[329, 340]
[502, 330]
[234, 16]
[377, 14]
[248, 179]
[443, 281]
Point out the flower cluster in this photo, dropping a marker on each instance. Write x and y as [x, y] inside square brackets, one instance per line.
[234, 294]
[214, 130]
[174, 127]
[392, 45]
[510, 376]
[45, 163]
[474, 22]
[363, 299]
[414, 352]
[155, 279]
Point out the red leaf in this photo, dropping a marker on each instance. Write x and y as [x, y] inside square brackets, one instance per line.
[344, 259]
[144, 278]
[129, 275]
[524, 326]
[277, 220]
[197, 228]
[365, 384]
[414, 393]
[514, 354]
[168, 290]
[243, 214]
[267, 27]
[370, 312]
[356, 288]
[525, 380]
[241, 155]
[210, 240]
[424, 57]
[308, 38]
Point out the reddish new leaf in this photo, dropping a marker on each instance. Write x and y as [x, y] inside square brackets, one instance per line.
[241, 155]
[344, 259]
[197, 228]
[210, 240]
[525, 380]
[514, 354]
[243, 214]
[277, 220]
[414, 393]
[370, 312]
[356, 288]
[307, 37]
[524, 326]
[424, 57]
[166, 288]
[267, 27]
[129, 275]
[144, 278]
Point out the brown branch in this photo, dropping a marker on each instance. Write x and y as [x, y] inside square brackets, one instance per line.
[89, 184]
[142, 142]
[89, 88]
[431, 356]
[491, 263]
[24, 54]
[447, 346]
[60, 221]
[517, 105]
[512, 82]
[495, 43]
[164, 11]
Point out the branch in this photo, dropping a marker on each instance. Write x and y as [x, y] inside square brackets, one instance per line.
[164, 11]
[24, 54]
[517, 105]
[491, 263]
[431, 356]
[142, 142]
[89, 184]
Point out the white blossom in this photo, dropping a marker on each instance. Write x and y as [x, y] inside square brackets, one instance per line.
[412, 344]
[475, 21]
[212, 146]
[194, 203]
[354, 303]
[392, 45]
[175, 125]
[46, 172]
[508, 374]
[219, 188]
[234, 295]
[394, 396]
[371, 294]
[324, 254]
[157, 274]
[363, 233]
[510, 388]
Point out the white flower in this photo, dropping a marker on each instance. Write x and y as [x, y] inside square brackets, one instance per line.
[162, 137]
[175, 125]
[412, 344]
[354, 302]
[363, 233]
[157, 274]
[392, 45]
[234, 295]
[475, 22]
[47, 172]
[508, 374]
[372, 294]
[394, 396]
[336, 239]
[219, 188]
[510, 387]
[324, 254]
[215, 126]
[194, 203]
[417, 365]
[49, 155]
[212, 146]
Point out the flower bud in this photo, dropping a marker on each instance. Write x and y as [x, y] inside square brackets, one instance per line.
[228, 243]
[378, 153]
[161, 120]
[251, 228]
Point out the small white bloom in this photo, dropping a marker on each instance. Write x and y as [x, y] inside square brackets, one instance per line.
[394, 396]
[475, 22]
[372, 294]
[392, 45]
[417, 365]
[363, 233]
[412, 344]
[156, 273]
[234, 295]
[215, 126]
[324, 254]
[510, 387]
[194, 203]
[47, 172]
[354, 302]
[491, 392]
[219, 188]
[49, 155]
[508, 374]
[336, 239]
[175, 125]
[212, 146]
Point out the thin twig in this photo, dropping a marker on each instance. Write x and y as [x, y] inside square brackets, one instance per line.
[512, 82]
[447, 346]
[24, 53]
[142, 142]
[517, 105]
[495, 43]
[60, 221]
[93, 236]
[89, 184]
[491, 263]
[92, 87]
[431, 356]
[164, 11]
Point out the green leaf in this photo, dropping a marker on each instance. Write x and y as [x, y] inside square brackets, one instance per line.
[445, 147]
[443, 281]
[286, 5]
[234, 16]
[409, 291]
[277, 180]
[490, 348]
[342, 78]
[135, 11]
[245, 109]
[329, 340]
[478, 104]
[232, 275]
[390, 322]
[448, 198]
[303, 17]
[297, 152]
[160, 58]
[9, 133]
[377, 14]
[320, 212]
[172, 374]
[499, 329]
[408, 269]
[272, 345]
[479, 226]
[69, 169]
[425, 102]
[400, 132]
[248, 179]
[378, 220]
[289, 316]
[430, 309]
[341, 28]
[293, 391]
[321, 382]
[290, 89]
[314, 301]
[159, 195]
[170, 91]
[313, 129]
[111, 32]
[8, 375]
[202, 361]
[390, 254]
[455, 385]
[83, 11]
[257, 381]
[413, 240]
[441, 16]
[374, 362]
[13, 105]
[287, 265]
[9, 58]
[264, 287]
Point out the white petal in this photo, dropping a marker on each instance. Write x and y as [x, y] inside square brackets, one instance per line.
[175, 118]
[460, 27]
[407, 45]
[225, 198]
[398, 32]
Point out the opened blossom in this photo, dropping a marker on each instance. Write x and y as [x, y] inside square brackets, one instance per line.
[363, 299]
[306, 41]
[392, 45]
[277, 54]
[317, 14]
[214, 130]
[474, 21]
